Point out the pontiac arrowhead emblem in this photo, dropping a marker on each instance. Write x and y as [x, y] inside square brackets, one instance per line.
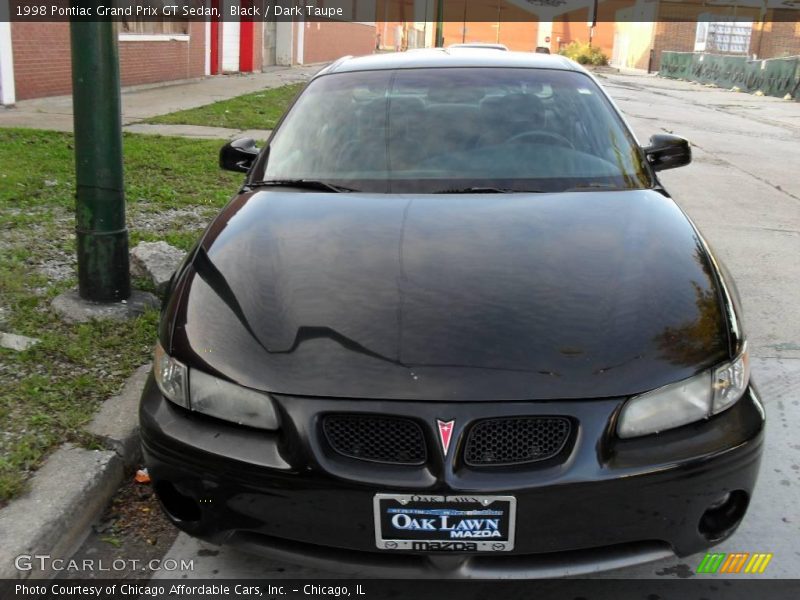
[445, 433]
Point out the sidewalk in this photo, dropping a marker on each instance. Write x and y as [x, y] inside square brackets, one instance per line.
[144, 102]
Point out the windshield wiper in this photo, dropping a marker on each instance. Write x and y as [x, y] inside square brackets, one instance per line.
[306, 184]
[487, 190]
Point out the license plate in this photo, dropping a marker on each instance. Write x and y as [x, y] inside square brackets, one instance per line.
[463, 523]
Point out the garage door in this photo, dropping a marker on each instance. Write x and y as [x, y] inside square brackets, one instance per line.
[231, 31]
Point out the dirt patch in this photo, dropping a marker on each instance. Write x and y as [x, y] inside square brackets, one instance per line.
[155, 219]
[132, 532]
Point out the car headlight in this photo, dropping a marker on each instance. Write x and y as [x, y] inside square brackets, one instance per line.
[172, 377]
[730, 381]
[212, 396]
[687, 401]
[219, 398]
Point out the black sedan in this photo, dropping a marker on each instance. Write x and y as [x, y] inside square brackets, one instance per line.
[453, 325]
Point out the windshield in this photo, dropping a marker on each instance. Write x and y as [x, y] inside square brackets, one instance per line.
[456, 129]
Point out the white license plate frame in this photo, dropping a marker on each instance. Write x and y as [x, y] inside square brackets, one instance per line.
[428, 510]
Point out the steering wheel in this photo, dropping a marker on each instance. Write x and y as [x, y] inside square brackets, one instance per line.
[562, 141]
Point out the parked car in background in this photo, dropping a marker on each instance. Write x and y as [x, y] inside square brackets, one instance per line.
[453, 311]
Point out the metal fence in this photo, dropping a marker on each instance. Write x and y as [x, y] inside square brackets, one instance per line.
[774, 76]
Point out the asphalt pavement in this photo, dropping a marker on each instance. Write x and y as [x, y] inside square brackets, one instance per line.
[743, 191]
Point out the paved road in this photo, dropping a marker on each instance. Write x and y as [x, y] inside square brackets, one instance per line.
[743, 190]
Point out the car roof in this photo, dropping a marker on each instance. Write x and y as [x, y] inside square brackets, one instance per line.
[485, 45]
[450, 57]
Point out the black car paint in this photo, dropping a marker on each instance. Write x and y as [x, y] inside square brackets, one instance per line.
[418, 336]
[512, 297]
[287, 487]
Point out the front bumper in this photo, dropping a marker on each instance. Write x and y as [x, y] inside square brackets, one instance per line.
[608, 503]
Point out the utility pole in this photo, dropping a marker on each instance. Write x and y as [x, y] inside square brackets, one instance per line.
[464, 25]
[440, 23]
[102, 235]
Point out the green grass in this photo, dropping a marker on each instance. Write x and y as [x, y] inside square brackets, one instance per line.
[260, 110]
[49, 392]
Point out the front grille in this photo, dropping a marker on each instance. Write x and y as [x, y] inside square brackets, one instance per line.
[376, 438]
[515, 440]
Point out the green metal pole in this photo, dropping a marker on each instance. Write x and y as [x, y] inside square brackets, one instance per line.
[102, 236]
[440, 23]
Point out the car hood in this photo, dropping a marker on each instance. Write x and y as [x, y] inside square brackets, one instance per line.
[458, 297]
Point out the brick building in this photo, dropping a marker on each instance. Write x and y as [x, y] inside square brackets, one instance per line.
[521, 36]
[42, 63]
[322, 41]
[628, 30]
[35, 56]
[720, 29]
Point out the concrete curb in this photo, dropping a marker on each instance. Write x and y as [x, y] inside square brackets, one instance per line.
[68, 492]
[197, 131]
[117, 423]
[64, 498]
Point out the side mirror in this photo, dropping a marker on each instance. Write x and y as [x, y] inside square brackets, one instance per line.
[668, 151]
[238, 155]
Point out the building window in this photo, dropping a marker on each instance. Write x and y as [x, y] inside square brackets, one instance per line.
[150, 26]
[726, 36]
